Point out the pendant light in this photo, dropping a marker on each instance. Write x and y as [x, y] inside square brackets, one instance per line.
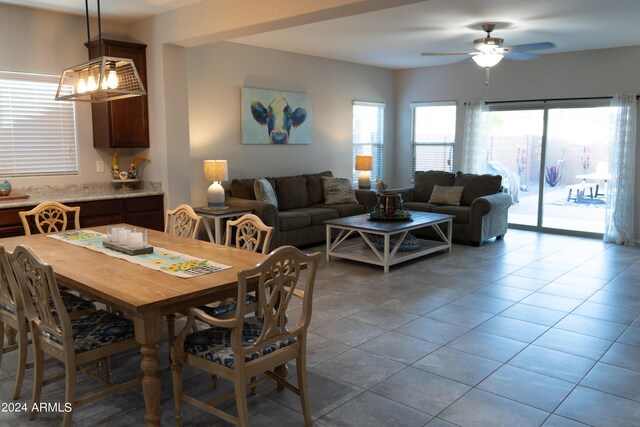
[105, 78]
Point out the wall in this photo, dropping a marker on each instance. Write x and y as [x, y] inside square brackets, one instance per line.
[217, 72]
[579, 74]
[37, 41]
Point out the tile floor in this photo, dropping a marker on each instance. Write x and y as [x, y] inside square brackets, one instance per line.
[532, 330]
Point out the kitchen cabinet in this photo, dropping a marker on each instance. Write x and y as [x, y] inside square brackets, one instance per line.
[144, 211]
[122, 123]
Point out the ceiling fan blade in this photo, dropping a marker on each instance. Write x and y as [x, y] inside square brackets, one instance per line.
[531, 46]
[520, 56]
[443, 53]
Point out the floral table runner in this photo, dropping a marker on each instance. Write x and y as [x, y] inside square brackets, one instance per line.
[160, 259]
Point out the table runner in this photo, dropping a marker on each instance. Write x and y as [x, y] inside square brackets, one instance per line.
[161, 259]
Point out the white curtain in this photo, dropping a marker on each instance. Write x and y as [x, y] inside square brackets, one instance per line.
[475, 145]
[619, 216]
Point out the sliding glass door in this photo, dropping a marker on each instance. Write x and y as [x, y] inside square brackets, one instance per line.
[555, 160]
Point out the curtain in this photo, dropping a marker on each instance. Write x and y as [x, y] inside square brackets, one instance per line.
[475, 145]
[619, 215]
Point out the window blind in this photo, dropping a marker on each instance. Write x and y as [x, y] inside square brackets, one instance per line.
[368, 136]
[433, 128]
[37, 133]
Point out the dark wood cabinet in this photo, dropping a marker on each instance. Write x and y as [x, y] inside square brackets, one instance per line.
[125, 122]
[146, 211]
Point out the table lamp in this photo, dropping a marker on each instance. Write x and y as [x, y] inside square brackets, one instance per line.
[215, 171]
[364, 164]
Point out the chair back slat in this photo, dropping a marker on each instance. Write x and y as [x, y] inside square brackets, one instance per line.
[249, 233]
[50, 217]
[182, 221]
[10, 302]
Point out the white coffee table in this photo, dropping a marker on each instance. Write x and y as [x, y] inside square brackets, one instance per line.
[357, 250]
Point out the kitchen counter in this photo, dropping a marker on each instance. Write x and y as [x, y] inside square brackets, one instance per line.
[78, 193]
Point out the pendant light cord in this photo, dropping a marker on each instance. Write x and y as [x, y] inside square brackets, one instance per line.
[86, 6]
[99, 29]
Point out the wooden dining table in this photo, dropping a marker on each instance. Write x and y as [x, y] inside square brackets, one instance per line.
[141, 292]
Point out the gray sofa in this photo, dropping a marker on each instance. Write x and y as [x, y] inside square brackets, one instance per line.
[483, 210]
[299, 218]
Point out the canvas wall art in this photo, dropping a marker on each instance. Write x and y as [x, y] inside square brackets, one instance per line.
[275, 117]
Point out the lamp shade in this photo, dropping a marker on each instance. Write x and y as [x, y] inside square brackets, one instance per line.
[102, 79]
[216, 170]
[364, 163]
[487, 59]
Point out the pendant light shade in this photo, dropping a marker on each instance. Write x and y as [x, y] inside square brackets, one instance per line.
[487, 59]
[101, 79]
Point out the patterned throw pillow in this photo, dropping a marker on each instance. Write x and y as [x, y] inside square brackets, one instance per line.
[338, 190]
[264, 192]
[446, 195]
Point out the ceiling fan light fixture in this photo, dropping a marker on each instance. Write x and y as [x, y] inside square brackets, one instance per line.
[487, 59]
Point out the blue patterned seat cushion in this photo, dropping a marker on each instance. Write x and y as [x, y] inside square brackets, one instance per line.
[98, 329]
[7, 308]
[226, 306]
[214, 344]
[72, 303]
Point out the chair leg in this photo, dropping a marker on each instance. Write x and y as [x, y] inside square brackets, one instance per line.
[38, 372]
[70, 393]
[241, 400]
[23, 347]
[301, 368]
[176, 372]
[3, 329]
[283, 372]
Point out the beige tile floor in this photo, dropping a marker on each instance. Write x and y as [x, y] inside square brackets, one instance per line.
[532, 330]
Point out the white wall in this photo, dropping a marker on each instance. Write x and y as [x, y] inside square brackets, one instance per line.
[37, 41]
[218, 71]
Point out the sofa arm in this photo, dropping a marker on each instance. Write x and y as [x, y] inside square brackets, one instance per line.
[266, 211]
[407, 193]
[491, 204]
[366, 198]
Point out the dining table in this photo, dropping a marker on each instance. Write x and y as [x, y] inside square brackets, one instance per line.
[143, 293]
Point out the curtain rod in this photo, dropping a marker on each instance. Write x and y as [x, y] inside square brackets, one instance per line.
[553, 99]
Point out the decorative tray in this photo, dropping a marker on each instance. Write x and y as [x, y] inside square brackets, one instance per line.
[126, 250]
[376, 217]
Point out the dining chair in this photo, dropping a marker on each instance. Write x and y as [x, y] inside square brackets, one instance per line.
[50, 217]
[13, 320]
[242, 347]
[182, 221]
[74, 342]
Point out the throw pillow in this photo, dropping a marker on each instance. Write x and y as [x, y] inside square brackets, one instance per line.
[264, 192]
[338, 190]
[425, 180]
[447, 196]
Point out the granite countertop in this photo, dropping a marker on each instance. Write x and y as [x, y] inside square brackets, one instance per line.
[79, 193]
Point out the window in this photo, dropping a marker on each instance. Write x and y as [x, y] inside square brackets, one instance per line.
[368, 131]
[433, 134]
[37, 133]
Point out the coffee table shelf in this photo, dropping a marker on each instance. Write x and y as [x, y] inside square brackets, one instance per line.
[363, 249]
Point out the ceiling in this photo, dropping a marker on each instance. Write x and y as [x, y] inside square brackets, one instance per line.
[394, 37]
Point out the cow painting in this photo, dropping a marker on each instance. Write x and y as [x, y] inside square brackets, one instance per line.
[279, 118]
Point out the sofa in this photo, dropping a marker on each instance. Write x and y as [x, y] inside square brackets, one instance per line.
[479, 206]
[299, 209]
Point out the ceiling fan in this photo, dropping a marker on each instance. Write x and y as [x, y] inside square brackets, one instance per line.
[490, 51]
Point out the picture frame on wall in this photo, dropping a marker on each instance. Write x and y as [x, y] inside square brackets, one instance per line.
[275, 117]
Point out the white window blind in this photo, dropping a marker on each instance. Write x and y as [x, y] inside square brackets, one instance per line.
[368, 136]
[433, 134]
[37, 134]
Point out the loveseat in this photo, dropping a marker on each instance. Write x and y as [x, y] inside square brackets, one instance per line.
[479, 206]
[300, 206]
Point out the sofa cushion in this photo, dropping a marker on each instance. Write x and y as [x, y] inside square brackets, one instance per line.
[461, 213]
[477, 186]
[425, 180]
[418, 206]
[293, 220]
[314, 186]
[243, 188]
[447, 196]
[344, 209]
[318, 215]
[291, 192]
[338, 190]
[264, 192]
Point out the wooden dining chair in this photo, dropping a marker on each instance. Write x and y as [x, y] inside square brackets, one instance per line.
[240, 348]
[249, 233]
[13, 320]
[76, 343]
[182, 221]
[50, 217]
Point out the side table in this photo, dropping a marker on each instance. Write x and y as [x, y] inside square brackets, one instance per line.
[218, 215]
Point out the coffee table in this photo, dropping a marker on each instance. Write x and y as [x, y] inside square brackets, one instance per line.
[354, 249]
